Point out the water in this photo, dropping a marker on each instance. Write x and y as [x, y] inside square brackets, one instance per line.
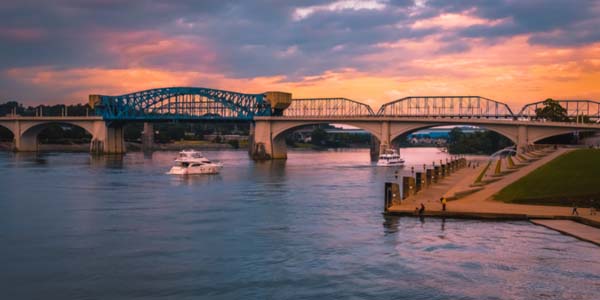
[76, 227]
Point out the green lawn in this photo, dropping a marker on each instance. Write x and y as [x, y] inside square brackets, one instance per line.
[574, 176]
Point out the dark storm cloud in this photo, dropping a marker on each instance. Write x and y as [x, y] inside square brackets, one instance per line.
[556, 22]
[260, 38]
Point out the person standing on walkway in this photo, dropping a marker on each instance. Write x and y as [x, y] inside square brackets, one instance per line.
[574, 212]
[443, 203]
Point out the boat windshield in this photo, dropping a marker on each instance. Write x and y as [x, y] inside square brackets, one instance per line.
[190, 155]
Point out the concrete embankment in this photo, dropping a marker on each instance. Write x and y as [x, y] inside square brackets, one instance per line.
[578, 230]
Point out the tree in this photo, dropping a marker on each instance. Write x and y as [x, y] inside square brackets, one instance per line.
[552, 111]
[318, 137]
[455, 135]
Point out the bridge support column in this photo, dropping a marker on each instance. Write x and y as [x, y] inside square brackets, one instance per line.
[262, 144]
[107, 139]
[522, 139]
[24, 142]
[148, 137]
[374, 151]
[386, 143]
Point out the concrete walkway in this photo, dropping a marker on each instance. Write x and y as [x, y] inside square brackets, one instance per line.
[431, 195]
[578, 230]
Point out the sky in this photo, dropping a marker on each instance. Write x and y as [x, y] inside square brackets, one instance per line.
[372, 51]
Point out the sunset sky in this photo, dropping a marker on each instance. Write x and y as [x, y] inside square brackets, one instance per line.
[371, 51]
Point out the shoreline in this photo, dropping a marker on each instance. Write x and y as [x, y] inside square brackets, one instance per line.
[480, 204]
[500, 217]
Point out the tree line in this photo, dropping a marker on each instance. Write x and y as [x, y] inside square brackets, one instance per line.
[11, 107]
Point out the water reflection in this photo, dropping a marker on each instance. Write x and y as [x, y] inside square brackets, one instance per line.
[196, 179]
[109, 161]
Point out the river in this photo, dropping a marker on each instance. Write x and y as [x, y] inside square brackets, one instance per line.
[74, 226]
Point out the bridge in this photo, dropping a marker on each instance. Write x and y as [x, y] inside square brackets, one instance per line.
[273, 114]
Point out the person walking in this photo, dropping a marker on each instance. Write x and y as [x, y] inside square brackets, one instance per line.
[444, 203]
[421, 210]
[574, 212]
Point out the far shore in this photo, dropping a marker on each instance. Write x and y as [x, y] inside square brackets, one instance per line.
[131, 146]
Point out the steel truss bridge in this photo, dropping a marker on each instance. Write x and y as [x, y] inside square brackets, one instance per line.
[181, 103]
[195, 103]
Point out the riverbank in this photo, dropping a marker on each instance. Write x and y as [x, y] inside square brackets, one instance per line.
[481, 205]
[572, 177]
[130, 146]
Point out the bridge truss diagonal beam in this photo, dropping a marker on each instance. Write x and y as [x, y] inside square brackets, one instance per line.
[327, 107]
[446, 106]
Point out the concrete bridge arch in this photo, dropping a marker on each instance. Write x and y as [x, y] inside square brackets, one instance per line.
[267, 141]
[269, 137]
[400, 129]
[25, 130]
[29, 132]
[7, 133]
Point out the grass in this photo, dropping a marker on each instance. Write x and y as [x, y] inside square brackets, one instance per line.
[571, 177]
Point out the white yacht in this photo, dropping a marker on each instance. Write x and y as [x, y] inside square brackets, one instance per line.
[193, 162]
[390, 157]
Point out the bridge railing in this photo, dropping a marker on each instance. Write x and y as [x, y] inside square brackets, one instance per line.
[576, 110]
[446, 106]
[327, 107]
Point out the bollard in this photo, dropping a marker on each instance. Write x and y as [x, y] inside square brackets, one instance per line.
[391, 196]
[419, 181]
[428, 177]
[408, 186]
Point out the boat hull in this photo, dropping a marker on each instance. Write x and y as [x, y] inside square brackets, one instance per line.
[390, 164]
[205, 169]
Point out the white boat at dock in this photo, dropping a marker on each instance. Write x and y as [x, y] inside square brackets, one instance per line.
[390, 157]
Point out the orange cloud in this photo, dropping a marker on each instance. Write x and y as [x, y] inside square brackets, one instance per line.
[512, 71]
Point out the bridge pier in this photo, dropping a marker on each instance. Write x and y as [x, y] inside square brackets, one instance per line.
[374, 150]
[148, 137]
[522, 139]
[107, 139]
[261, 142]
[385, 142]
[25, 143]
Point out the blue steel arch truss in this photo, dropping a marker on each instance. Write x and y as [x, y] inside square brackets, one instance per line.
[327, 107]
[446, 106]
[183, 103]
[574, 108]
